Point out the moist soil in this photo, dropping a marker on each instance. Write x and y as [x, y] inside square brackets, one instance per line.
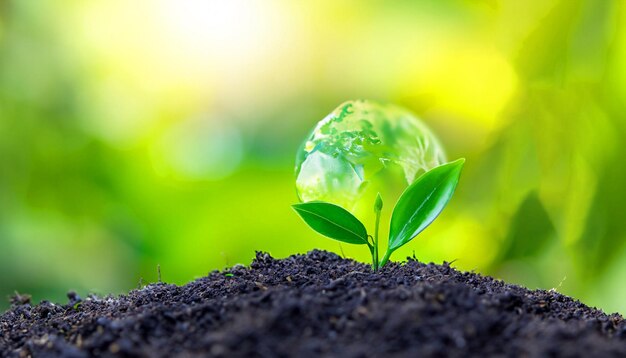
[314, 305]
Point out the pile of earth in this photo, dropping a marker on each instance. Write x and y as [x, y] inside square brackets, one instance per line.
[313, 305]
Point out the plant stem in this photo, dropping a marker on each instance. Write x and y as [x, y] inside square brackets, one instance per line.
[385, 259]
[378, 207]
[376, 238]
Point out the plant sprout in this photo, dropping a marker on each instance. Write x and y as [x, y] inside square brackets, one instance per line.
[353, 145]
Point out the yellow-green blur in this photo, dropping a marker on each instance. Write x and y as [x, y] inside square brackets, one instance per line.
[137, 133]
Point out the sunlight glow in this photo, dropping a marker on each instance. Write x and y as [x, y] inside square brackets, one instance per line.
[229, 29]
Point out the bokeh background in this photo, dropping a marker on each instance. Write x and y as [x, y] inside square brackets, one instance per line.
[137, 133]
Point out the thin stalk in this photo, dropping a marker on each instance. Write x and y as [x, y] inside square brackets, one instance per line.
[376, 238]
[378, 207]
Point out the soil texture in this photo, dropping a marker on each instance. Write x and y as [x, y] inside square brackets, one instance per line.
[315, 305]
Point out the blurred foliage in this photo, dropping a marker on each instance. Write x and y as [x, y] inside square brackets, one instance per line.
[145, 132]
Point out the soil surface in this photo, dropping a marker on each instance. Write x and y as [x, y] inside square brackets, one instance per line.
[317, 305]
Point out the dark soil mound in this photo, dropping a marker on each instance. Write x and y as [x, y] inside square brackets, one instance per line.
[318, 305]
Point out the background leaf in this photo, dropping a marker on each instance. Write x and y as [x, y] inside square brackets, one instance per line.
[530, 230]
[332, 221]
[422, 202]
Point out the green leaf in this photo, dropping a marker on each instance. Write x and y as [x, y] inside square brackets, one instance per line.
[332, 221]
[422, 202]
[530, 229]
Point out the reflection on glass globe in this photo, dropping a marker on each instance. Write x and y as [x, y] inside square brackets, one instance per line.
[364, 146]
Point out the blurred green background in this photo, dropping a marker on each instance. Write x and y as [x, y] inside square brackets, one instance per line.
[137, 133]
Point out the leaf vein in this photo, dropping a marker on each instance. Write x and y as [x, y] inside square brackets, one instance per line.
[334, 223]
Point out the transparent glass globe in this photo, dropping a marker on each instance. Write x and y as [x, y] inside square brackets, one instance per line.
[361, 148]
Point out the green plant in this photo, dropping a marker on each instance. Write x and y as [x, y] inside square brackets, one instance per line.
[418, 206]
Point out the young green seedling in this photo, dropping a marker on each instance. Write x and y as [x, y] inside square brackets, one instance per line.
[418, 206]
